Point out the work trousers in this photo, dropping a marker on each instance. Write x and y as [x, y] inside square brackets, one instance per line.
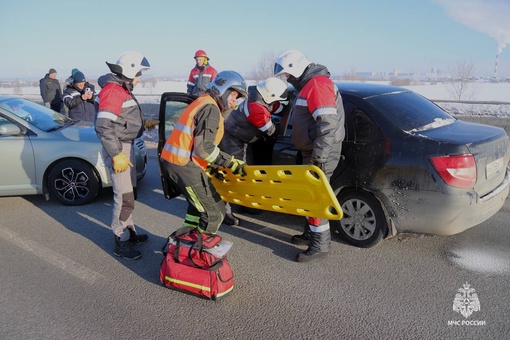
[318, 225]
[123, 195]
[205, 210]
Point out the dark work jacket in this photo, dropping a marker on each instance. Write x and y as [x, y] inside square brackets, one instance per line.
[78, 108]
[251, 120]
[318, 117]
[50, 91]
[200, 78]
[119, 118]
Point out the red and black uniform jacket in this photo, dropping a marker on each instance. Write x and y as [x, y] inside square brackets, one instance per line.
[252, 119]
[199, 79]
[318, 115]
[119, 117]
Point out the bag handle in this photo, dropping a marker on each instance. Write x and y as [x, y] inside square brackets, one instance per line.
[197, 245]
[215, 266]
[182, 231]
[178, 232]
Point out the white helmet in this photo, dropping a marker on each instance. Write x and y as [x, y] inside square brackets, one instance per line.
[130, 64]
[272, 89]
[292, 62]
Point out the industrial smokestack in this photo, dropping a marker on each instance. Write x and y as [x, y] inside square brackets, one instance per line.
[496, 68]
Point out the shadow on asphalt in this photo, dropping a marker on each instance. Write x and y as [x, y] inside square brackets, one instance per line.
[92, 221]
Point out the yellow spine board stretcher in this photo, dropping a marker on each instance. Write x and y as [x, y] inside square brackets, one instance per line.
[290, 189]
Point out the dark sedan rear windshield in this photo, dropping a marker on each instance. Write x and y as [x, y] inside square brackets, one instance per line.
[411, 112]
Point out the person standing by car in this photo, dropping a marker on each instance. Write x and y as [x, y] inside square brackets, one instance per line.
[79, 98]
[201, 75]
[119, 121]
[318, 131]
[51, 92]
[69, 82]
[192, 148]
[250, 122]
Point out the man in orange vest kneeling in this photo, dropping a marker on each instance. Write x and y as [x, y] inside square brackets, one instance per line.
[193, 146]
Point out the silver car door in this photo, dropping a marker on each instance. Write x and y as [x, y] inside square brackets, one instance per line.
[17, 167]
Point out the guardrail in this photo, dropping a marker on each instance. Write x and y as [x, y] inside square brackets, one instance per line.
[455, 107]
[470, 102]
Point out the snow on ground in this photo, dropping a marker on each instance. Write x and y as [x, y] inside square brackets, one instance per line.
[498, 92]
[485, 92]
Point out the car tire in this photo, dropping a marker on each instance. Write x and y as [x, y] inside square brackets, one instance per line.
[364, 223]
[73, 182]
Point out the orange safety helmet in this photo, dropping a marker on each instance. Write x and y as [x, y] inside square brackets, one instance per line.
[201, 53]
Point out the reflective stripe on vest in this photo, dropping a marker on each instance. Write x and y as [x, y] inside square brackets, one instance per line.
[177, 149]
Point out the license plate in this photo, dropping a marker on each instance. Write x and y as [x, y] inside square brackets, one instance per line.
[494, 167]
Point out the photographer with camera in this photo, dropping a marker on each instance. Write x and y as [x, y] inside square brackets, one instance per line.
[79, 98]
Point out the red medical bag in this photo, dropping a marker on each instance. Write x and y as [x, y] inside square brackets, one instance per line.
[197, 263]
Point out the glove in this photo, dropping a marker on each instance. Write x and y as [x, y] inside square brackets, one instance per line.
[121, 162]
[236, 166]
[214, 171]
[274, 136]
[150, 124]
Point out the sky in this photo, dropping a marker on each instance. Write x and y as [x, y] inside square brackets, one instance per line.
[344, 35]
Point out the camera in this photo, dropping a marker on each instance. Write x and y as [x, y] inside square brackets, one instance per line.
[88, 90]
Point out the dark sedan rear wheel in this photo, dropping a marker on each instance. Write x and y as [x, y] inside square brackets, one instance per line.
[73, 182]
[363, 224]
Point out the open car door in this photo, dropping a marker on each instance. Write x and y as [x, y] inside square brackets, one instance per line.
[171, 107]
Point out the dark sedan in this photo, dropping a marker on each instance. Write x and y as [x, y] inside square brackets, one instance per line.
[407, 165]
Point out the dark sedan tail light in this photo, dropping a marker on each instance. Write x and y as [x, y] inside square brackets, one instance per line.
[458, 171]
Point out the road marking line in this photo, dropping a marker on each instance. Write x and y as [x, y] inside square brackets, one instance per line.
[48, 255]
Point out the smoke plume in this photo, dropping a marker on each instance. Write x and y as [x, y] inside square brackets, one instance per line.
[491, 17]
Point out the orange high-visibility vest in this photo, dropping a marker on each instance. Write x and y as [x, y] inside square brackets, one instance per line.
[178, 147]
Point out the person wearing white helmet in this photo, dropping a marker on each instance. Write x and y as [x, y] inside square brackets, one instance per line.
[318, 131]
[250, 122]
[201, 75]
[118, 122]
[192, 149]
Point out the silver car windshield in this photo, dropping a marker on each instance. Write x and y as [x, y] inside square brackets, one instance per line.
[40, 116]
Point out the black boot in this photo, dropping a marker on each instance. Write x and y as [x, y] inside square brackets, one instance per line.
[231, 219]
[318, 248]
[125, 249]
[135, 238]
[302, 239]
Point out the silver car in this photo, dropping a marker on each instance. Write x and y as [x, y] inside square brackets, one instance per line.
[45, 152]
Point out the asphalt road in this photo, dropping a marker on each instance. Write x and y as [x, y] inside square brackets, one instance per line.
[60, 279]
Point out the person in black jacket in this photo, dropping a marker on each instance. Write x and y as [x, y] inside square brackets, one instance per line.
[51, 92]
[79, 98]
